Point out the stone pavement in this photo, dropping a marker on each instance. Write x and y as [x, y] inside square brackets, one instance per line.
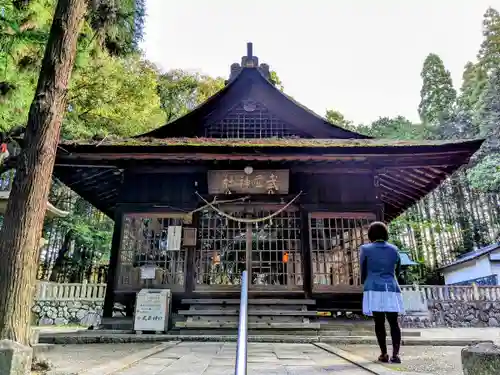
[197, 358]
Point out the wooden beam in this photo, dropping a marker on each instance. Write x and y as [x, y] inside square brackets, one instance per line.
[414, 176]
[397, 178]
[166, 169]
[312, 169]
[400, 190]
[395, 202]
[415, 160]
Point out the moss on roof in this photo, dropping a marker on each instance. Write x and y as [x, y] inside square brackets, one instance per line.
[263, 142]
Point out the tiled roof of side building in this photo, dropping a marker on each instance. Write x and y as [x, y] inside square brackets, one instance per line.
[473, 254]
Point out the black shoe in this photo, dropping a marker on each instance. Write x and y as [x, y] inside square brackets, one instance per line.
[395, 359]
[383, 358]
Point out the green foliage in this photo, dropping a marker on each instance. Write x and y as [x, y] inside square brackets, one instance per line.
[437, 95]
[337, 118]
[489, 53]
[485, 176]
[118, 25]
[109, 90]
[464, 212]
[396, 128]
[113, 91]
[474, 80]
[489, 114]
[23, 34]
[275, 80]
[180, 91]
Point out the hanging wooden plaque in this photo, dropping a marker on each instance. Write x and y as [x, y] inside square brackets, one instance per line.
[189, 239]
[257, 182]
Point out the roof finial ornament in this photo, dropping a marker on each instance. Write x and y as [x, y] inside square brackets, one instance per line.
[249, 49]
[250, 61]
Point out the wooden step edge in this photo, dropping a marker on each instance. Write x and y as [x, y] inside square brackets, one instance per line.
[251, 301]
[251, 325]
[250, 313]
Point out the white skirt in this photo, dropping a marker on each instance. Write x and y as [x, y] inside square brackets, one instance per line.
[382, 302]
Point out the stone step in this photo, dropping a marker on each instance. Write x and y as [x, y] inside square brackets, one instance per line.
[66, 339]
[250, 307]
[254, 332]
[251, 325]
[234, 312]
[251, 301]
[290, 332]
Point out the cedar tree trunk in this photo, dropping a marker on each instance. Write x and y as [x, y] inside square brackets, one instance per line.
[23, 220]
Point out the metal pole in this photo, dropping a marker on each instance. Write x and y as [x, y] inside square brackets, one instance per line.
[241, 351]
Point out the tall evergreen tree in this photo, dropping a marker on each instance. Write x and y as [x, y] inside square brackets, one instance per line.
[489, 53]
[437, 94]
[486, 174]
[489, 114]
[474, 81]
[23, 220]
[118, 24]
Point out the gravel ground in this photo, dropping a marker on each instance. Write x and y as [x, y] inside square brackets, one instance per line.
[438, 360]
[73, 358]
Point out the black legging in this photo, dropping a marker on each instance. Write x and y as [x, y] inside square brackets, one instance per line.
[392, 318]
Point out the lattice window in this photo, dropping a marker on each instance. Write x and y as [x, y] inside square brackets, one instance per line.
[335, 242]
[270, 249]
[250, 120]
[144, 243]
[276, 255]
[222, 254]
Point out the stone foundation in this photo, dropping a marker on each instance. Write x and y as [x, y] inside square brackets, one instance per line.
[81, 312]
[441, 314]
[465, 314]
[456, 314]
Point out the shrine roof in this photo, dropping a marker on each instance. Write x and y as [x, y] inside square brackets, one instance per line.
[263, 142]
[250, 82]
[407, 170]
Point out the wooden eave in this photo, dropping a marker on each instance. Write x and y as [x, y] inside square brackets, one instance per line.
[250, 83]
[405, 171]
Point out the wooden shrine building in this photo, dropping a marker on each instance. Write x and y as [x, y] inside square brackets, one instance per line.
[250, 180]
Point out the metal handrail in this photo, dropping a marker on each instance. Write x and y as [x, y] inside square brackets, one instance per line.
[241, 350]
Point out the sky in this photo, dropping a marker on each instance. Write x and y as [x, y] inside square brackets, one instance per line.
[360, 57]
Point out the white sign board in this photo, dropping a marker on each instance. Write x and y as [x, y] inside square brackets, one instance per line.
[148, 272]
[174, 236]
[151, 310]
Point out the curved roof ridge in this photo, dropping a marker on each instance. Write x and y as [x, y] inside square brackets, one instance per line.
[249, 78]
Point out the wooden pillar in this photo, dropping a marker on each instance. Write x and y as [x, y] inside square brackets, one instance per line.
[189, 270]
[189, 281]
[306, 252]
[379, 204]
[109, 299]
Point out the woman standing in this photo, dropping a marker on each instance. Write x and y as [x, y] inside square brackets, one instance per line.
[380, 265]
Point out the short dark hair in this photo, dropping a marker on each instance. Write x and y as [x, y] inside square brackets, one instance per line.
[377, 231]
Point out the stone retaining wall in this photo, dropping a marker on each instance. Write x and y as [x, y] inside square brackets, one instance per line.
[465, 314]
[62, 312]
[456, 314]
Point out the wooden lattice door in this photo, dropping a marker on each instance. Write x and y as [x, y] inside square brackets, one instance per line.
[268, 248]
[144, 243]
[335, 242]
